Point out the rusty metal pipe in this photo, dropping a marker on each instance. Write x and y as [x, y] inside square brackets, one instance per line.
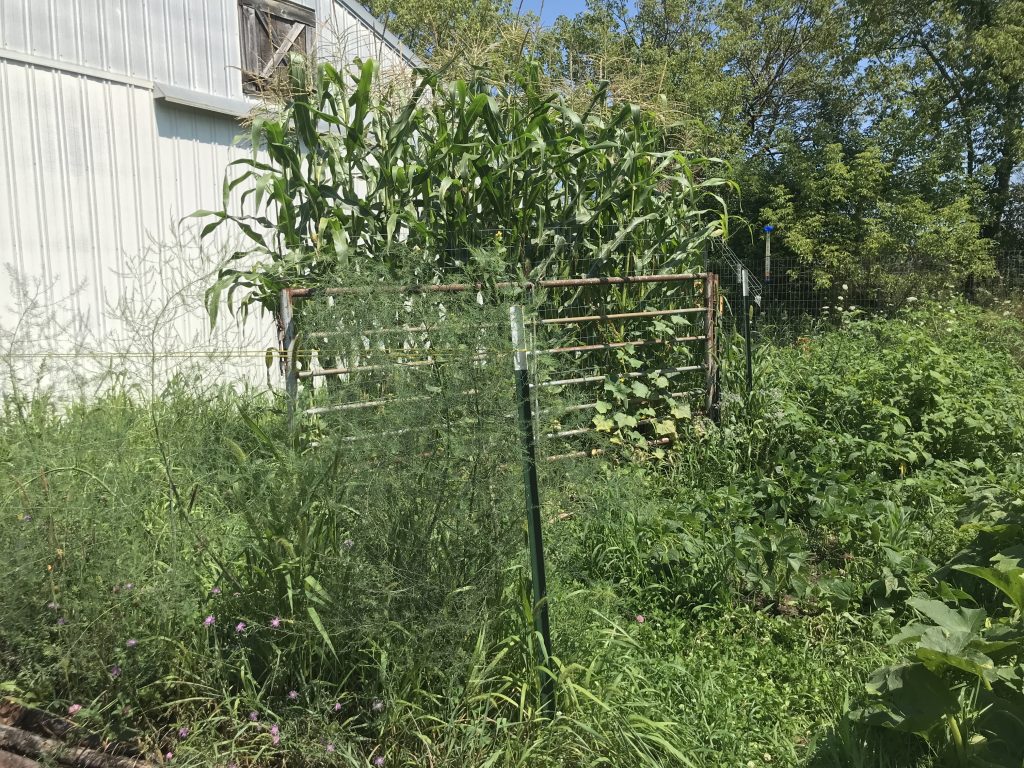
[618, 345]
[636, 375]
[569, 282]
[620, 316]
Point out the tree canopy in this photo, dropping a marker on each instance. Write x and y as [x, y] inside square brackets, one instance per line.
[863, 130]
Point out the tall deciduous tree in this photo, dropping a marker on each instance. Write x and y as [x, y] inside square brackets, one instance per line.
[847, 121]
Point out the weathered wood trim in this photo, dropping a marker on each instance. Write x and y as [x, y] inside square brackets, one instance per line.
[29, 744]
[284, 10]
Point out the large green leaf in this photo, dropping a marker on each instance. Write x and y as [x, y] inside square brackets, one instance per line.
[914, 698]
[954, 620]
[941, 650]
[1010, 581]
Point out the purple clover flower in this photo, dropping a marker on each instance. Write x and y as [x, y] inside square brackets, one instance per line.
[169, 756]
[275, 735]
[209, 620]
[239, 627]
[74, 709]
[378, 761]
[115, 671]
[61, 621]
[337, 706]
[215, 591]
[254, 716]
[131, 642]
[276, 622]
[183, 733]
[293, 695]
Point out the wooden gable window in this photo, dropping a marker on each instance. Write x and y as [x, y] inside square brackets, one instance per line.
[270, 30]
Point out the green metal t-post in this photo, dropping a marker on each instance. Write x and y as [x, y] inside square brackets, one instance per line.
[533, 519]
[745, 286]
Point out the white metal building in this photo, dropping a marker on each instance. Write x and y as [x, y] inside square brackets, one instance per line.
[117, 119]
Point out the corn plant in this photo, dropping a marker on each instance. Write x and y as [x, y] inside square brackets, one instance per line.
[343, 172]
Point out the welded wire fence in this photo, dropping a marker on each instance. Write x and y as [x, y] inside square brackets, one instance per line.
[789, 298]
[622, 362]
[613, 357]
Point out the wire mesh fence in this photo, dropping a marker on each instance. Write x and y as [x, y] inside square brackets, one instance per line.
[789, 298]
[410, 392]
[613, 353]
[623, 362]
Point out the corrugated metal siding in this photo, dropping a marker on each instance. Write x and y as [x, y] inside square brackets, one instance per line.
[95, 173]
[189, 43]
[94, 177]
[343, 36]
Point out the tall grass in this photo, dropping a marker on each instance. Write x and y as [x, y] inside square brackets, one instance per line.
[722, 607]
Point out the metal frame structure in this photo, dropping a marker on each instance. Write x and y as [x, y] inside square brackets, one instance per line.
[709, 310]
[527, 391]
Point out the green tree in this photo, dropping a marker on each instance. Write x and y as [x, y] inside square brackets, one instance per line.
[806, 96]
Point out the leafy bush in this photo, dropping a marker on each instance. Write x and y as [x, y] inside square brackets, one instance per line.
[961, 684]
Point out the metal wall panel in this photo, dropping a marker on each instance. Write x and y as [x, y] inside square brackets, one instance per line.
[188, 43]
[96, 174]
[94, 179]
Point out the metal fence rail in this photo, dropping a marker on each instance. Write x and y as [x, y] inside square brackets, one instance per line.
[553, 319]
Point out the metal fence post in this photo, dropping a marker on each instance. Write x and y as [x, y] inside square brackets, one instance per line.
[712, 404]
[745, 283]
[533, 518]
[291, 371]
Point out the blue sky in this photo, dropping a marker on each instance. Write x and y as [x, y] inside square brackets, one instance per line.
[551, 9]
